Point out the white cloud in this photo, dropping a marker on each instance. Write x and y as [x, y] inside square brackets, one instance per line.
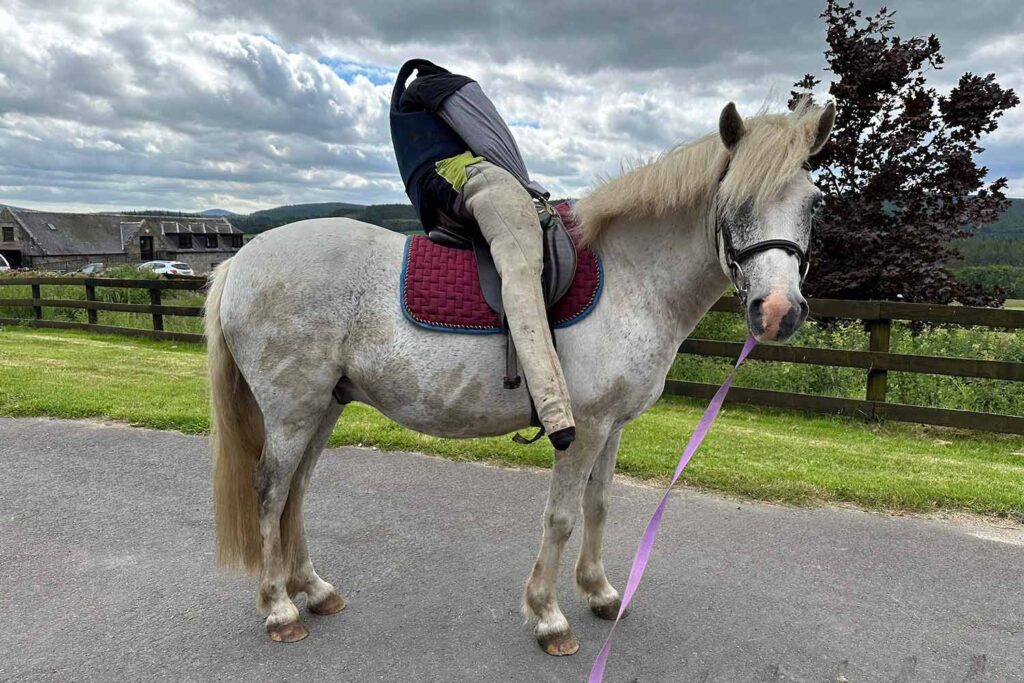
[167, 103]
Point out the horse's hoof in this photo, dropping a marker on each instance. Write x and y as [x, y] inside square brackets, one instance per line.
[610, 611]
[559, 644]
[287, 633]
[333, 604]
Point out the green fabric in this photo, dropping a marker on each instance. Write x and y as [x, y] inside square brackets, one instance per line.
[453, 169]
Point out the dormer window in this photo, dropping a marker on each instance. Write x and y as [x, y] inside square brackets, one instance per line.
[184, 241]
[8, 233]
[211, 241]
[236, 241]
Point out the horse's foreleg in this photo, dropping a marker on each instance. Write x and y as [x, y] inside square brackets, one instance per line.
[590, 577]
[321, 597]
[283, 451]
[539, 598]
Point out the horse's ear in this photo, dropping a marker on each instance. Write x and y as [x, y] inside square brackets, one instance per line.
[825, 123]
[730, 126]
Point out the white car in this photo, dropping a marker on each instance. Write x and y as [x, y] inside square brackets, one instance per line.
[92, 269]
[4, 265]
[167, 267]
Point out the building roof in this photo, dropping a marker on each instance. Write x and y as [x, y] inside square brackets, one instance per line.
[97, 233]
[197, 226]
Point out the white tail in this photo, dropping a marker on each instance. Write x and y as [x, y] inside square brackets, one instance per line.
[237, 435]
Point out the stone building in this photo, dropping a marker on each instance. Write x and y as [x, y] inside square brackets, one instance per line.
[43, 240]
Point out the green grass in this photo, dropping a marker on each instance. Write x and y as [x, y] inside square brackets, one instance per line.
[757, 453]
[1014, 303]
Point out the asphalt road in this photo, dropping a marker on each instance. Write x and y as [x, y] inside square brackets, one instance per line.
[106, 560]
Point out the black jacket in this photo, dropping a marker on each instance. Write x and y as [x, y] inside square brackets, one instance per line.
[421, 139]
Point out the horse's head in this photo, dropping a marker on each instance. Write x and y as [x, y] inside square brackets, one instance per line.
[763, 217]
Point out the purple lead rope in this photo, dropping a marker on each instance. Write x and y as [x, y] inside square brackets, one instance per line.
[643, 551]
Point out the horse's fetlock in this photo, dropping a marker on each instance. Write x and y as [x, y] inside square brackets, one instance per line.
[537, 599]
[590, 578]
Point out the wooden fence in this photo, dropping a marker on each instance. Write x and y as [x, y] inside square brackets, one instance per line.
[877, 361]
[155, 307]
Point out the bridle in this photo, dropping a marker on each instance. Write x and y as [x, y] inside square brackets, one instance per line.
[733, 258]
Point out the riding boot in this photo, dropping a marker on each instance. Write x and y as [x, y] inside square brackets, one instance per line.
[508, 221]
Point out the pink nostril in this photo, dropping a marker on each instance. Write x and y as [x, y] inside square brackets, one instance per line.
[773, 309]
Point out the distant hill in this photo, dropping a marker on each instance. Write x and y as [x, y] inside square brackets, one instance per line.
[260, 221]
[1010, 225]
[397, 217]
[155, 212]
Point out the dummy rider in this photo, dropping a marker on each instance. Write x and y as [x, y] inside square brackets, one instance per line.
[461, 167]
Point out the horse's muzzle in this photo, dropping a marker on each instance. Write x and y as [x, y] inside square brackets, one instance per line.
[777, 316]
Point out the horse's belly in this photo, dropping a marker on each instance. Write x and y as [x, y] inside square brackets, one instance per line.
[447, 385]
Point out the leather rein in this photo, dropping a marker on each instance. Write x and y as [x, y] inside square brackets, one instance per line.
[733, 257]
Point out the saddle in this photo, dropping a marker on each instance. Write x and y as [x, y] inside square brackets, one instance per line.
[449, 282]
[560, 257]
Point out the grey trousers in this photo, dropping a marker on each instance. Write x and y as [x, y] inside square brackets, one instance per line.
[508, 221]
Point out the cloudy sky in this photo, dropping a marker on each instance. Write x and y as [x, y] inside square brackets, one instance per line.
[248, 104]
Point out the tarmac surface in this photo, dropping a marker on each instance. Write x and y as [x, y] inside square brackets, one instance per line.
[106, 559]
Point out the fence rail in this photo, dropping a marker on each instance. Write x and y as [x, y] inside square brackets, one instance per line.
[877, 361]
[154, 308]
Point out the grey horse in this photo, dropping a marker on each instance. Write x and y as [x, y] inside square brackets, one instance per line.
[305, 318]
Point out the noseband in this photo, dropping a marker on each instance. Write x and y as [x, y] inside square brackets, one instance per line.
[733, 258]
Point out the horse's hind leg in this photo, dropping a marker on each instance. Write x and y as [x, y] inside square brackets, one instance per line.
[321, 597]
[567, 483]
[590, 577]
[288, 435]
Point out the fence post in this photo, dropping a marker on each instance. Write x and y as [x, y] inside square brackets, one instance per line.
[37, 293]
[90, 295]
[158, 318]
[878, 340]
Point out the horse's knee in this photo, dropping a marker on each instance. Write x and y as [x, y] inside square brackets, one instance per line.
[558, 525]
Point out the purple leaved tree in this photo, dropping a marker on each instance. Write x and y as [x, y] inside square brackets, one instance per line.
[899, 172]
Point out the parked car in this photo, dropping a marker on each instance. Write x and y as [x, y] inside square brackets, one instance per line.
[92, 269]
[4, 265]
[167, 267]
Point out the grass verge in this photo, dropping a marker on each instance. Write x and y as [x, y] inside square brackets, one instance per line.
[758, 453]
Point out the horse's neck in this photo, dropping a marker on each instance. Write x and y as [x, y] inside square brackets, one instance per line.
[669, 266]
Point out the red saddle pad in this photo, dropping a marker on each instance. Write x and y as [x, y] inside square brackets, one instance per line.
[441, 287]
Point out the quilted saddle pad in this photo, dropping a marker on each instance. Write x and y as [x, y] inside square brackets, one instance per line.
[440, 288]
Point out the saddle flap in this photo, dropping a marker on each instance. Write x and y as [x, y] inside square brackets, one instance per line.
[559, 258]
[490, 281]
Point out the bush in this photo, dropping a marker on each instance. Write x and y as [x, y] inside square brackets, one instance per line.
[1009, 278]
